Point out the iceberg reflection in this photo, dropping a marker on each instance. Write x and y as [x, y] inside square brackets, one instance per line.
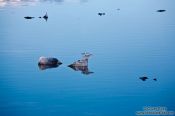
[84, 69]
[44, 66]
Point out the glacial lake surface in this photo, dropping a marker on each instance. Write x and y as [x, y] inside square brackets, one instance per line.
[130, 41]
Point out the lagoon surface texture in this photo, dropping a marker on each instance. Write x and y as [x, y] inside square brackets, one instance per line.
[129, 41]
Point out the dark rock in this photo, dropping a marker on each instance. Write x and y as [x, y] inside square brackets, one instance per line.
[161, 10]
[100, 14]
[143, 78]
[28, 17]
[45, 16]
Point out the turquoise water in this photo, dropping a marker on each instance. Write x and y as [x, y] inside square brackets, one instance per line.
[126, 44]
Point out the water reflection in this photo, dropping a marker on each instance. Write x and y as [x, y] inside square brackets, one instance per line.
[84, 69]
[52, 0]
[4, 3]
[75, 1]
[44, 66]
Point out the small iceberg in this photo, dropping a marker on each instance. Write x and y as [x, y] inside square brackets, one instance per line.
[82, 65]
[48, 62]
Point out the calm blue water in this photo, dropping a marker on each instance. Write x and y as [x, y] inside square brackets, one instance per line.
[126, 44]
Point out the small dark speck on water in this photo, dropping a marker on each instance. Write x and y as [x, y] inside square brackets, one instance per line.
[155, 79]
[45, 16]
[100, 14]
[161, 10]
[28, 17]
[143, 78]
